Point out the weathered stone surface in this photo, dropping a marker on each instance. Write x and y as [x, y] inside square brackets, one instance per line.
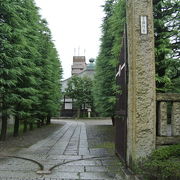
[99, 152]
[167, 140]
[162, 120]
[95, 175]
[141, 82]
[51, 162]
[62, 157]
[96, 169]
[176, 119]
[168, 97]
[85, 163]
[18, 164]
[70, 168]
[62, 175]
[111, 162]
[44, 172]
[83, 151]
[13, 175]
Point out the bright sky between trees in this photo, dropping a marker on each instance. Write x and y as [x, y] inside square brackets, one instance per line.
[75, 24]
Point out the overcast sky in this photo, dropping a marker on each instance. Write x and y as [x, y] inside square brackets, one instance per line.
[74, 24]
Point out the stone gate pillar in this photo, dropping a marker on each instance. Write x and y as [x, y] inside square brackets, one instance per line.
[141, 80]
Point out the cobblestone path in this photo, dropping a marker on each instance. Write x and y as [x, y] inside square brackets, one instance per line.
[63, 155]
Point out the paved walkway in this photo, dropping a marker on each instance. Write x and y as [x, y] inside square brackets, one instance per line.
[63, 155]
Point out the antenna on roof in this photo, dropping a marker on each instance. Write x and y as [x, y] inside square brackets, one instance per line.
[78, 50]
[84, 52]
[74, 51]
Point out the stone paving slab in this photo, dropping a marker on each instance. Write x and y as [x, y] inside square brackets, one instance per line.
[110, 162]
[55, 157]
[85, 162]
[70, 168]
[16, 164]
[99, 152]
[69, 143]
[95, 175]
[63, 175]
[52, 162]
[95, 169]
[19, 174]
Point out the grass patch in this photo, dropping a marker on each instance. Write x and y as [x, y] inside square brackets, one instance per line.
[106, 145]
[101, 134]
[10, 129]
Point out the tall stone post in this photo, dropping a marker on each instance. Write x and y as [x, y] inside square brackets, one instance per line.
[141, 80]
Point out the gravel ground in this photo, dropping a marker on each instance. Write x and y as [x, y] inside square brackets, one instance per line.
[12, 144]
[101, 134]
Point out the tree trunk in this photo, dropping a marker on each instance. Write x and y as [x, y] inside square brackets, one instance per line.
[16, 126]
[113, 120]
[4, 127]
[25, 126]
[78, 112]
[38, 124]
[31, 126]
[48, 120]
[42, 121]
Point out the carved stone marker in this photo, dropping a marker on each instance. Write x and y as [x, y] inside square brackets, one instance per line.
[141, 82]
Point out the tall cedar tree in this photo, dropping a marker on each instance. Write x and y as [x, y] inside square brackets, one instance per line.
[24, 67]
[104, 83]
[50, 84]
[167, 43]
[11, 44]
[27, 85]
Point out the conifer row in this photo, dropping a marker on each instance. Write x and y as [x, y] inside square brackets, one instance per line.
[104, 82]
[167, 54]
[30, 70]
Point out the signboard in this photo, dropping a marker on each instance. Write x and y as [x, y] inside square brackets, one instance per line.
[144, 24]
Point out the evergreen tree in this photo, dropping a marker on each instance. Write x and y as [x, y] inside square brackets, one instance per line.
[27, 87]
[167, 43]
[11, 46]
[80, 90]
[104, 83]
[30, 68]
[52, 73]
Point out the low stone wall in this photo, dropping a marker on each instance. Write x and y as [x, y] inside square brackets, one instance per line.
[168, 118]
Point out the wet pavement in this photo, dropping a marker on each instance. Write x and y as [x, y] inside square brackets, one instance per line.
[63, 155]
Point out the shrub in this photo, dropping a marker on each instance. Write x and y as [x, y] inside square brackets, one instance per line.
[162, 164]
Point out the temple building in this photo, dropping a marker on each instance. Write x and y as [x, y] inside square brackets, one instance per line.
[81, 69]
[79, 65]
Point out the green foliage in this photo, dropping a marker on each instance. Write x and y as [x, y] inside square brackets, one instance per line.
[162, 163]
[104, 84]
[30, 70]
[166, 26]
[167, 43]
[80, 90]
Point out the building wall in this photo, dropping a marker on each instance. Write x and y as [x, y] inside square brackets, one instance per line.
[88, 71]
[79, 64]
